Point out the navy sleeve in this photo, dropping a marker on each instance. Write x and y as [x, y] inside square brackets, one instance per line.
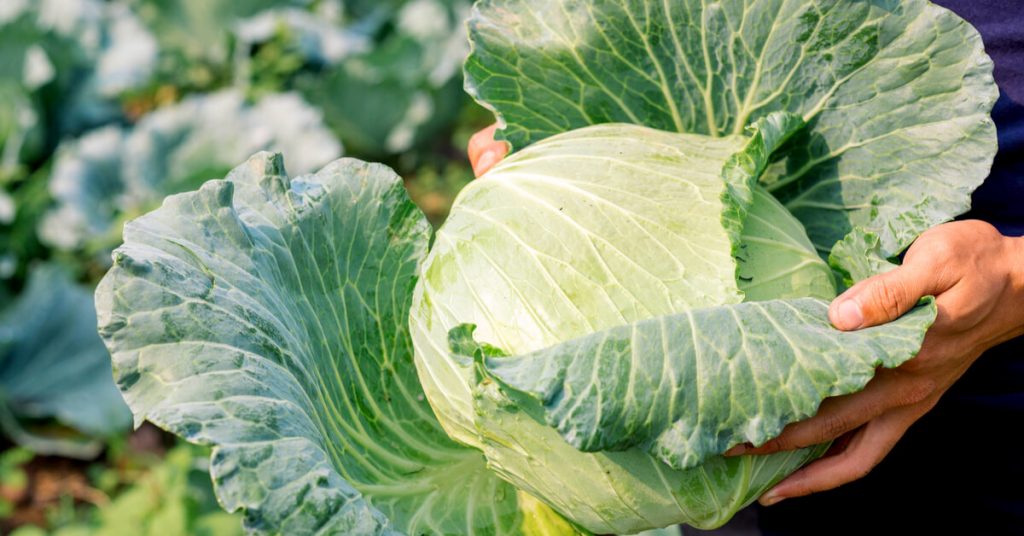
[1000, 200]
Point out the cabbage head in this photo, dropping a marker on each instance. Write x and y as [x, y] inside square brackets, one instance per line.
[642, 285]
[593, 229]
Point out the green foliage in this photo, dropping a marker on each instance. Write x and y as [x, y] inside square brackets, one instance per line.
[98, 124]
[171, 498]
[896, 94]
[645, 274]
[613, 259]
[53, 367]
[13, 479]
[290, 297]
[112, 174]
[174, 498]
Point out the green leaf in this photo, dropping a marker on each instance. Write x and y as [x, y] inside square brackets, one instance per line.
[858, 257]
[53, 366]
[600, 227]
[590, 230]
[896, 94]
[267, 317]
[690, 386]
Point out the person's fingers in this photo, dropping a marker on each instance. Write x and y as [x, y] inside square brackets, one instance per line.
[839, 415]
[487, 160]
[480, 141]
[866, 449]
[884, 298]
[484, 152]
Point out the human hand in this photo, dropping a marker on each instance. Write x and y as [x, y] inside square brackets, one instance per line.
[484, 151]
[977, 277]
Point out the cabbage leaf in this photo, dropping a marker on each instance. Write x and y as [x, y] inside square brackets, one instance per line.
[267, 317]
[690, 386]
[896, 94]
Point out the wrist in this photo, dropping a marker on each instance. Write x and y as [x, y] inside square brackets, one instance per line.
[1016, 267]
[1016, 288]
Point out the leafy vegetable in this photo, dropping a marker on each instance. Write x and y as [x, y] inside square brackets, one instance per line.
[733, 348]
[53, 367]
[897, 94]
[641, 286]
[74, 58]
[193, 34]
[289, 299]
[615, 259]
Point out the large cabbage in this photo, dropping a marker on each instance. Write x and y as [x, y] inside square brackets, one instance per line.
[594, 229]
[641, 286]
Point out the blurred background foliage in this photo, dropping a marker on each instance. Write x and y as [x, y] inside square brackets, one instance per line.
[107, 107]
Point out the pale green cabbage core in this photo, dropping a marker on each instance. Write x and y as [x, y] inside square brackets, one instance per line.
[585, 231]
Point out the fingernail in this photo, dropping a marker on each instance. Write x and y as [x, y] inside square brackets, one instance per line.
[771, 498]
[848, 316]
[486, 162]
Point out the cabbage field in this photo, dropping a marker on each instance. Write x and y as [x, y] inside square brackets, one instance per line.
[108, 107]
[247, 283]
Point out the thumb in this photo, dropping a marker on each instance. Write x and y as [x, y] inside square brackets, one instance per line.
[882, 298]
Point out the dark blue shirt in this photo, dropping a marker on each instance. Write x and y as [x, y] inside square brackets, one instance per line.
[959, 470]
[1000, 200]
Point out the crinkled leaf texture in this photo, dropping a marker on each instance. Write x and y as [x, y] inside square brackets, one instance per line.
[267, 317]
[53, 366]
[600, 227]
[562, 249]
[690, 386]
[896, 93]
[858, 257]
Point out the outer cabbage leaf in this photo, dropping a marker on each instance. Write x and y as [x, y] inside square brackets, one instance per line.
[690, 386]
[112, 174]
[53, 366]
[268, 317]
[896, 94]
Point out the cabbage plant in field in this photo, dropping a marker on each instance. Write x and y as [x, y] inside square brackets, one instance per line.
[56, 396]
[641, 286]
[113, 173]
[63, 63]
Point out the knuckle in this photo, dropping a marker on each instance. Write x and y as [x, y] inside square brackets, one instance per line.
[774, 445]
[889, 298]
[858, 466]
[916, 392]
[832, 426]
